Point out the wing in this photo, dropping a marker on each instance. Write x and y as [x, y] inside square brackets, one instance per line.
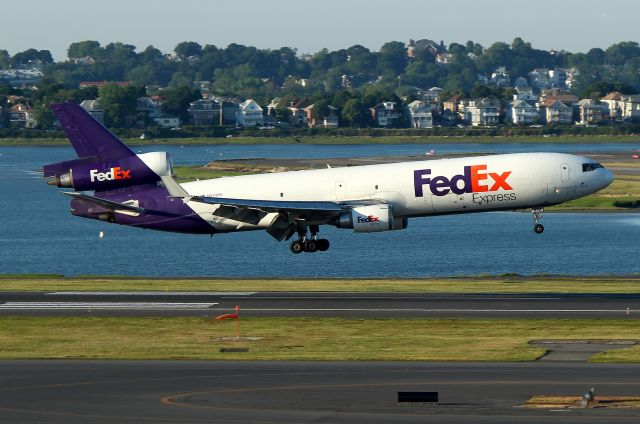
[267, 206]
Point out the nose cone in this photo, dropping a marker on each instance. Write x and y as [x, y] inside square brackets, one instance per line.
[606, 178]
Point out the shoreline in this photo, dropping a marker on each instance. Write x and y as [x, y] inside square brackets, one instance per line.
[345, 140]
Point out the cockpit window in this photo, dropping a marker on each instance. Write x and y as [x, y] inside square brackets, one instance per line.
[587, 167]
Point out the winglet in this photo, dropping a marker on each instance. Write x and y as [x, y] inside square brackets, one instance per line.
[175, 189]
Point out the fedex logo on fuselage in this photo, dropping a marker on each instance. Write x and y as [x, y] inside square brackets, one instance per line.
[474, 179]
[116, 173]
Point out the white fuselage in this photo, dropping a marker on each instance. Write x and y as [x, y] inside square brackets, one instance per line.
[421, 188]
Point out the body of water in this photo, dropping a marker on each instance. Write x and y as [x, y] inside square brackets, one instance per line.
[38, 234]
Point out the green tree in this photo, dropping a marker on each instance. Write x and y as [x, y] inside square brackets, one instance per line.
[392, 58]
[355, 113]
[118, 103]
[187, 49]
[83, 49]
[178, 100]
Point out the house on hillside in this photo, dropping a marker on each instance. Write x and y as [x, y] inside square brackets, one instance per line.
[94, 109]
[630, 106]
[298, 113]
[483, 112]
[250, 113]
[204, 112]
[420, 114]
[22, 116]
[166, 121]
[522, 112]
[557, 113]
[590, 112]
[612, 104]
[386, 114]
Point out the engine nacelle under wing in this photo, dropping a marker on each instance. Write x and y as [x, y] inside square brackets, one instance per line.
[371, 219]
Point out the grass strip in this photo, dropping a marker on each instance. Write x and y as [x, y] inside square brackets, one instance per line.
[505, 284]
[301, 338]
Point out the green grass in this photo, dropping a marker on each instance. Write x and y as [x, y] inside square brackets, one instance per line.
[488, 284]
[301, 338]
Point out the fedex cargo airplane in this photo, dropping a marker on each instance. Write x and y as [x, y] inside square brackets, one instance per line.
[111, 183]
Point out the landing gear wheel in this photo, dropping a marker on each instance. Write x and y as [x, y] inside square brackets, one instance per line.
[538, 228]
[310, 246]
[297, 247]
[323, 245]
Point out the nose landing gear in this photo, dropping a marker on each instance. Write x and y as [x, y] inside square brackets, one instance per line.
[309, 244]
[537, 214]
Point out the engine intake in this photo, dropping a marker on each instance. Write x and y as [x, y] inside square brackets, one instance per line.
[371, 219]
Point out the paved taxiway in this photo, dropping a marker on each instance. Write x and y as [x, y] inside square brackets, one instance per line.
[302, 392]
[621, 306]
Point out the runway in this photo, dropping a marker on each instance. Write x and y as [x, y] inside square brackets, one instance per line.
[611, 306]
[303, 392]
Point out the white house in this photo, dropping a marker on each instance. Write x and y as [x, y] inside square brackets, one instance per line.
[421, 115]
[630, 106]
[613, 104]
[250, 113]
[167, 121]
[523, 113]
[590, 111]
[484, 111]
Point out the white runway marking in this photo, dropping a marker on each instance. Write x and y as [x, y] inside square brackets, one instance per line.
[106, 305]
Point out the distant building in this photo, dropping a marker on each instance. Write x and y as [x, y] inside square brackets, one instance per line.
[94, 109]
[204, 112]
[558, 113]
[590, 112]
[250, 114]
[166, 121]
[21, 116]
[416, 47]
[523, 113]
[386, 114]
[612, 103]
[420, 113]
[630, 106]
[483, 112]
[500, 77]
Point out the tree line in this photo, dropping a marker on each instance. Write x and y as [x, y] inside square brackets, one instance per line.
[352, 79]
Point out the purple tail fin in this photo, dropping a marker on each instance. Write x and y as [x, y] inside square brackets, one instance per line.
[88, 137]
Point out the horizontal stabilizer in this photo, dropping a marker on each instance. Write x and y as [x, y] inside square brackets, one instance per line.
[108, 204]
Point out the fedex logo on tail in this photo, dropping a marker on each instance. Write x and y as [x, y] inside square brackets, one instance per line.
[474, 179]
[116, 173]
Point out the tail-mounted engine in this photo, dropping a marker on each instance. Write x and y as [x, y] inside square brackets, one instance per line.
[92, 174]
[371, 219]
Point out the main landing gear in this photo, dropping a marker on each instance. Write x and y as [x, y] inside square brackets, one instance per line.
[537, 214]
[309, 244]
